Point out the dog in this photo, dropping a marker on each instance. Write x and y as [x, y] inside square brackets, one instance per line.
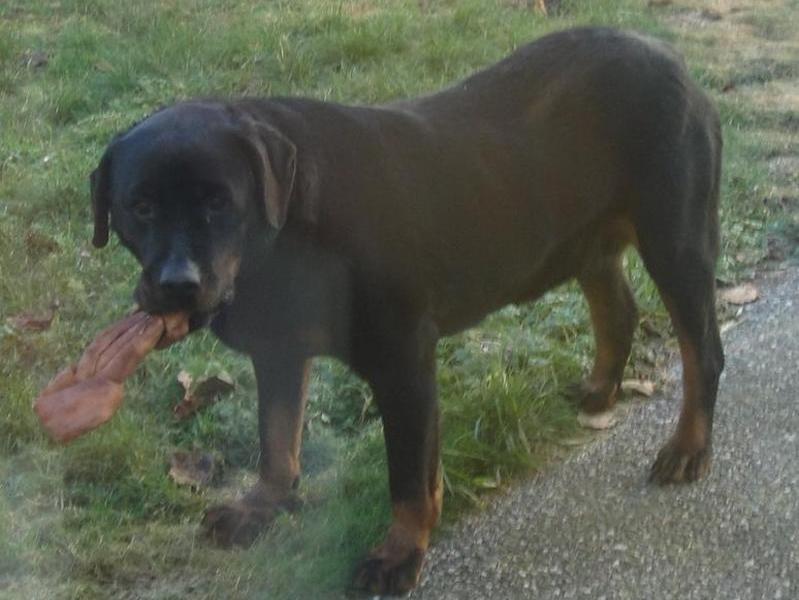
[296, 228]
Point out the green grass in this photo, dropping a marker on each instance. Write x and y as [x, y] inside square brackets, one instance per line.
[101, 516]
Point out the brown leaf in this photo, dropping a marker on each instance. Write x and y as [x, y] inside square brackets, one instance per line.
[32, 322]
[740, 294]
[221, 383]
[196, 469]
[204, 392]
[38, 244]
[642, 387]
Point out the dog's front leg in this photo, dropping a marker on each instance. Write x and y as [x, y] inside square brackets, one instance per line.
[403, 380]
[282, 376]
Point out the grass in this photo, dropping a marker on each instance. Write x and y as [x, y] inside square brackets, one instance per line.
[101, 517]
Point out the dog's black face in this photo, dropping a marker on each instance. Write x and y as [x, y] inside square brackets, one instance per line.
[182, 208]
[185, 190]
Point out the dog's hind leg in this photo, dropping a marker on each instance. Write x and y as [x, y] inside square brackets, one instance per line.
[614, 317]
[688, 291]
[678, 241]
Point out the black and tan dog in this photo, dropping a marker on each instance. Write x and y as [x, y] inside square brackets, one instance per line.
[299, 228]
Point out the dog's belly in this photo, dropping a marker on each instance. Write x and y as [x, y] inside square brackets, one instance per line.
[464, 297]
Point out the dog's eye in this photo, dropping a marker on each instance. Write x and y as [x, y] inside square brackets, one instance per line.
[144, 210]
[217, 203]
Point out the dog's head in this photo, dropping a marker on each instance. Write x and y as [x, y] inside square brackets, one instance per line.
[185, 190]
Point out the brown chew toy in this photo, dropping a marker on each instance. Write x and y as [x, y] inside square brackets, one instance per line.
[87, 394]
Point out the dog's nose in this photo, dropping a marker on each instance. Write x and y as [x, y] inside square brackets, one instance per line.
[180, 276]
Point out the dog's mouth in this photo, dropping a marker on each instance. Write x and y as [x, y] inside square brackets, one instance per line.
[201, 318]
[201, 308]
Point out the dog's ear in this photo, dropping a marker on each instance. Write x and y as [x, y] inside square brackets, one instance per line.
[275, 171]
[101, 200]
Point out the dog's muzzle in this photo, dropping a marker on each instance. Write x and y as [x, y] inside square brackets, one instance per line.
[180, 278]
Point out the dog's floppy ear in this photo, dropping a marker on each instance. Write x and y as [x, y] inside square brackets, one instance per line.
[101, 200]
[275, 164]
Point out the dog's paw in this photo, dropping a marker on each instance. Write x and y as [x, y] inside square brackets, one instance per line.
[676, 464]
[239, 523]
[236, 523]
[592, 398]
[386, 572]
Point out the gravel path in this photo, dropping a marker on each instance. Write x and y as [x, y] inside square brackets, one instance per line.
[592, 527]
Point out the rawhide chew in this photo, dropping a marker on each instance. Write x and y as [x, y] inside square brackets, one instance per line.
[87, 394]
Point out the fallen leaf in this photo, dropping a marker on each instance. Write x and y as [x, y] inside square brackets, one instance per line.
[31, 322]
[740, 294]
[38, 244]
[642, 387]
[196, 469]
[599, 421]
[185, 379]
[202, 393]
[574, 441]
